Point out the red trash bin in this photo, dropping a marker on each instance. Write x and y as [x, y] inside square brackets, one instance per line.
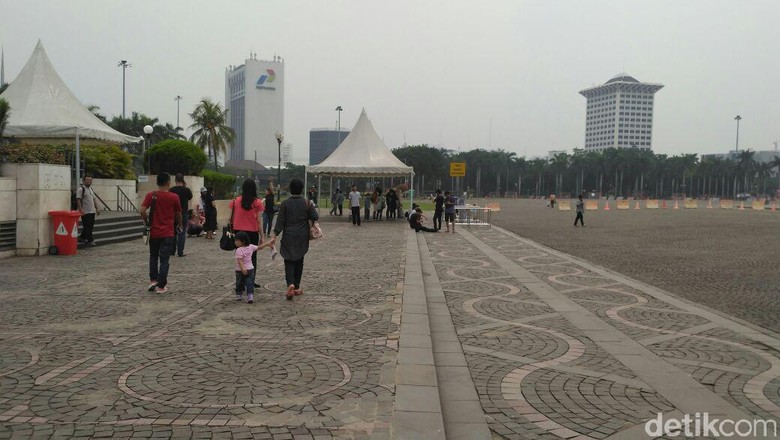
[66, 232]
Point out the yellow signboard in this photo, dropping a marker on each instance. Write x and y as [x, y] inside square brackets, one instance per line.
[457, 169]
[651, 204]
[623, 204]
[759, 205]
[691, 204]
[591, 205]
[564, 205]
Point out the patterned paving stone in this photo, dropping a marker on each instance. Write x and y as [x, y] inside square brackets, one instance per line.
[87, 352]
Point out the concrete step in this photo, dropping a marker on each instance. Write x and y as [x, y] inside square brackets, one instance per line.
[113, 239]
[116, 227]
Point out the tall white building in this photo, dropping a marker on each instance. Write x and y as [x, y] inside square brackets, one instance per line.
[254, 98]
[620, 114]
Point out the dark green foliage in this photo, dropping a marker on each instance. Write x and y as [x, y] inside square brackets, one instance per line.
[107, 162]
[176, 156]
[223, 184]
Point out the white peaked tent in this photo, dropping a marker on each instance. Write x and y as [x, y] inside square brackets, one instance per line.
[43, 109]
[362, 154]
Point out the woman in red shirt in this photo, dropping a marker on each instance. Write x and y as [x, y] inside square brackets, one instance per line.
[247, 215]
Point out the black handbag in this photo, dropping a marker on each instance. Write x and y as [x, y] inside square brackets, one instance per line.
[227, 241]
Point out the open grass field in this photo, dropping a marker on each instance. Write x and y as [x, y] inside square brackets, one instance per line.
[725, 259]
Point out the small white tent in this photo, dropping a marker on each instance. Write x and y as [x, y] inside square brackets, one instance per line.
[362, 154]
[43, 109]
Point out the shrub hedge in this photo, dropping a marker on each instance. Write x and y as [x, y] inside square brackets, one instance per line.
[223, 184]
[176, 156]
[108, 162]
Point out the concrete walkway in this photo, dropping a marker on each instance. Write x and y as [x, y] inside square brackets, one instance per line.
[474, 335]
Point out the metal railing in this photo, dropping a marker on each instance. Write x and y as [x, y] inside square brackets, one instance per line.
[472, 215]
[124, 203]
[101, 201]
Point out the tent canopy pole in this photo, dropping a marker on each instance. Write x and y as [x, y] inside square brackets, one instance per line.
[78, 157]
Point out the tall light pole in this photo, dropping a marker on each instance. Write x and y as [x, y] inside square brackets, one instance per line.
[148, 130]
[124, 65]
[339, 109]
[178, 101]
[737, 118]
[279, 139]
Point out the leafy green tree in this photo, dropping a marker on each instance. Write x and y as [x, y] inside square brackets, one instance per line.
[224, 185]
[211, 129]
[5, 114]
[176, 156]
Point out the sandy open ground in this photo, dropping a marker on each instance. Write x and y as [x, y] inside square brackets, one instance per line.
[725, 259]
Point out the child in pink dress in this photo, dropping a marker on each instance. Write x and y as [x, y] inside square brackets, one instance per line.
[245, 270]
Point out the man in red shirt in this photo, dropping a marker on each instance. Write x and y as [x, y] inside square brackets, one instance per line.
[164, 217]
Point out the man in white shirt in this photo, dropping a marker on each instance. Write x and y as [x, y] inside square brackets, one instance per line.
[354, 205]
[85, 201]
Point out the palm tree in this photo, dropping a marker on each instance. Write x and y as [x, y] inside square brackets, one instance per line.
[211, 130]
[5, 114]
[745, 161]
[775, 162]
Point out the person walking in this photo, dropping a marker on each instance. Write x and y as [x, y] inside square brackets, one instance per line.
[268, 213]
[552, 200]
[354, 205]
[87, 206]
[390, 199]
[312, 195]
[245, 268]
[380, 204]
[367, 205]
[438, 211]
[210, 212]
[185, 195]
[340, 202]
[449, 211]
[580, 211]
[164, 220]
[247, 215]
[333, 202]
[293, 223]
[375, 202]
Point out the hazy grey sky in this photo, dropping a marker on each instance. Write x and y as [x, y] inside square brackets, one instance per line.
[429, 72]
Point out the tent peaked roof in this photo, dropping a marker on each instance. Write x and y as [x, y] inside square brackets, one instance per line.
[43, 107]
[362, 154]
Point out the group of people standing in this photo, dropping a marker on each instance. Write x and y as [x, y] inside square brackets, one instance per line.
[376, 204]
[251, 219]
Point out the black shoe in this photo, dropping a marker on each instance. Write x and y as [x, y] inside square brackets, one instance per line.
[182, 255]
[257, 285]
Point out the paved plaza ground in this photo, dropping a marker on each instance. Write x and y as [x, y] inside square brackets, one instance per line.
[481, 334]
[724, 259]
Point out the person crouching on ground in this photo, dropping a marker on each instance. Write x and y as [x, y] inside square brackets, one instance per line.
[194, 226]
[245, 269]
[580, 210]
[164, 219]
[416, 220]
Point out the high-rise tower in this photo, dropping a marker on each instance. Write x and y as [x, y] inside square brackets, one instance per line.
[254, 98]
[620, 114]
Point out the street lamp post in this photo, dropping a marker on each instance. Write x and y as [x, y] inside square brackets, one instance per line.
[737, 118]
[124, 65]
[148, 130]
[339, 110]
[279, 139]
[178, 101]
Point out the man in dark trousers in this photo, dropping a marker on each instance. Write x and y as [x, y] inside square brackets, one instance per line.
[165, 212]
[86, 202]
[354, 205]
[438, 210]
[416, 219]
[185, 195]
[580, 210]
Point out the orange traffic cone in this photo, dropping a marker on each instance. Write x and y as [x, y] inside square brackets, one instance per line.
[637, 205]
[709, 204]
[663, 206]
[606, 205]
[741, 206]
[774, 206]
[676, 206]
